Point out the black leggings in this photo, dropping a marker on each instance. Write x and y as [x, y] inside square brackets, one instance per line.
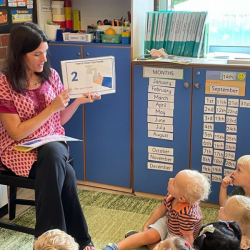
[57, 202]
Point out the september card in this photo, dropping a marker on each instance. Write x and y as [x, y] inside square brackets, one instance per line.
[95, 74]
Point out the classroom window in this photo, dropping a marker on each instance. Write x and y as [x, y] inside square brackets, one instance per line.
[229, 21]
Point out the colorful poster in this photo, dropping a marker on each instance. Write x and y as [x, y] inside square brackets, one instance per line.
[2, 2]
[12, 3]
[89, 75]
[3, 17]
[20, 16]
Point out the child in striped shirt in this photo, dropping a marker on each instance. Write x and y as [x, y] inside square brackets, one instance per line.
[178, 215]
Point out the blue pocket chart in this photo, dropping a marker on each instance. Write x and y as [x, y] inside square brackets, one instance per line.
[89, 75]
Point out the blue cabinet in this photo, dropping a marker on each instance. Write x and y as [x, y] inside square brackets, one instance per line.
[153, 180]
[104, 155]
[74, 127]
[107, 125]
[60, 52]
[211, 127]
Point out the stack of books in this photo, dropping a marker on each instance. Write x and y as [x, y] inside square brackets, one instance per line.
[179, 33]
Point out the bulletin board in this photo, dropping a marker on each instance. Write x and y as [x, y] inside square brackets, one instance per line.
[162, 98]
[13, 12]
[220, 128]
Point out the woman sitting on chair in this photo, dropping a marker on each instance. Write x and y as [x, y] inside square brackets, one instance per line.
[33, 104]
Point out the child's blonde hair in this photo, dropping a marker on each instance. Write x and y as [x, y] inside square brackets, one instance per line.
[175, 243]
[237, 208]
[198, 186]
[244, 160]
[55, 240]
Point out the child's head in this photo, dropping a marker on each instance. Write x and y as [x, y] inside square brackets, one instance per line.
[218, 236]
[245, 161]
[242, 173]
[237, 208]
[190, 185]
[174, 243]
[55, 240]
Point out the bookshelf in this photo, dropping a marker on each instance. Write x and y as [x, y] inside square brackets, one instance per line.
[93, 10]
[180, 33]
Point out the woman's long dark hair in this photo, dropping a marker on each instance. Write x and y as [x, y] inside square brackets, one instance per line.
[24, 38]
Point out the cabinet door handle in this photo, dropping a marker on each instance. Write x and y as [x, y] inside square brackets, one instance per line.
[196, 85]
[186, 85]
[87, 54]
[78, 53]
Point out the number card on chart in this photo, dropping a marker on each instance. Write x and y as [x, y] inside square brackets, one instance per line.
[95, 74]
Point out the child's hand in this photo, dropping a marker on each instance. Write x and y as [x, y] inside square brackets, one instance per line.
[228, 180]
[88, 98]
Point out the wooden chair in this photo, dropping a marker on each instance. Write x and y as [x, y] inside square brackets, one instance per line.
[8, 178]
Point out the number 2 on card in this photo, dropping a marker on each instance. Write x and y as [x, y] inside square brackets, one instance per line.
[74, 79]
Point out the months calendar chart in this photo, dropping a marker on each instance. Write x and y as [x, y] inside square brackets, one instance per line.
[220, 123]
[161, 125]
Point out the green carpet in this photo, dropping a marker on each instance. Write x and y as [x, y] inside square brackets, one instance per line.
[109, 217]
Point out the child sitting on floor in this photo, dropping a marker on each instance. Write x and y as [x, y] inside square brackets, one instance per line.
[174, 243]
[240, 178]
[55, 240]
[178, 215]
[237, 208]
[219, 236]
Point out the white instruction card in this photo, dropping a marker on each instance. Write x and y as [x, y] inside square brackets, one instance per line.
[95, 74]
